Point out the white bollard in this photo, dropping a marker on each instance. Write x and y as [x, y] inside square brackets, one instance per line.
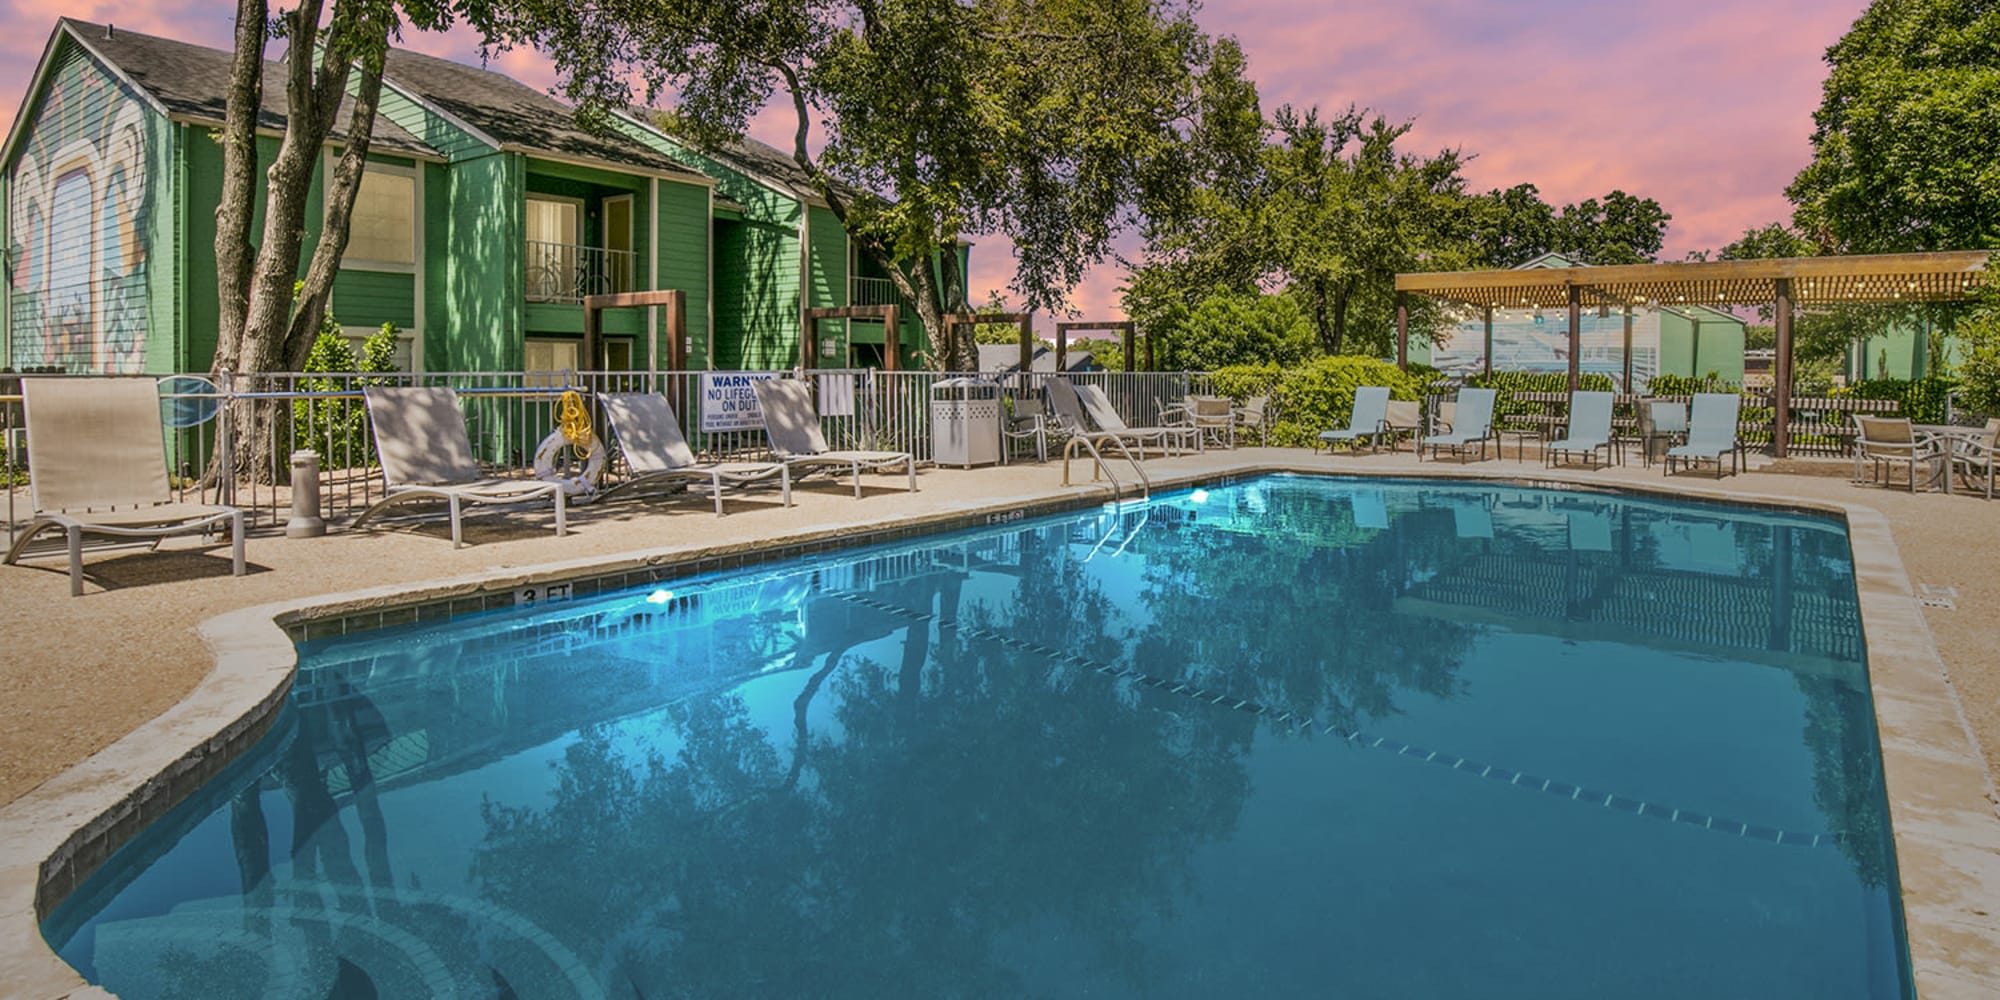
[305, 521]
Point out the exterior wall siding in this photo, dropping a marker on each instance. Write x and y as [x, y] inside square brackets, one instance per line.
[684, 228]
[435, 130]
[372, 298]
[756, 295]
[484, 254]
[85, 195]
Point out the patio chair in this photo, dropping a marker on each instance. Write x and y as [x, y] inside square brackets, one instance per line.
[649, 436]
[1472, 424]
[427, 455]
[1105, 416]
[1589, 430]
[793, 429]
[1212, 417]
[1024, 418]
[1368, 419]
[1711, 433]
[1884, 441]
[97, 461]
[1253, 416]
[1980, 456]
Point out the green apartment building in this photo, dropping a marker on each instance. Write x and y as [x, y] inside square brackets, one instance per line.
[485, 216]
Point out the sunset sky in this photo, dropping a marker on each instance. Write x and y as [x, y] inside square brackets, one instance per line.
[1703, 105]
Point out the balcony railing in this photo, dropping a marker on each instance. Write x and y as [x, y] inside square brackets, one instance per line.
[566, 272]
[872, 292]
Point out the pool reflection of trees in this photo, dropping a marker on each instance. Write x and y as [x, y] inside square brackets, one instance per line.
[971, 790]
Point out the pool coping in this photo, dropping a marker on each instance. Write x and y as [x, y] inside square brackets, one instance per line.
[1947, 848]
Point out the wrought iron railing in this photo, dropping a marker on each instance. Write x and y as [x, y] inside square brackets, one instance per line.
[566, 272]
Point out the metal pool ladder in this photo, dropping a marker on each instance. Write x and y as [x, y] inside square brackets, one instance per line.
[1099, 468]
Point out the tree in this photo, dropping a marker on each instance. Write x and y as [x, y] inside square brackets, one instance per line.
[1237, 329]
[269, 317]
[1766, 242]
[1515, 226]
[1053, 122]
[1904, 136]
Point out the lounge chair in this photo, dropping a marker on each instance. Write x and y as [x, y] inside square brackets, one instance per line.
[1405, 417]
[96, 453]
[1711, 433]
[1369, 419]
[1070, 425]
[1106, 417]
[1589, 430]
[1472, 424]
[649, 436]
[793, 429]
[1884, 441]
[427, 455]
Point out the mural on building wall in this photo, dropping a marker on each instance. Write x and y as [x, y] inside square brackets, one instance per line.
[81, 197]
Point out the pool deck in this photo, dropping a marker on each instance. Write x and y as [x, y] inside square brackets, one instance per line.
[114, 705]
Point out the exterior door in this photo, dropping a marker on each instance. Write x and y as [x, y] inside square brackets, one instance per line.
[620, 263]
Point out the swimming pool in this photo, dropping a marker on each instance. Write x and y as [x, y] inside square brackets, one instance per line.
[1292, 736]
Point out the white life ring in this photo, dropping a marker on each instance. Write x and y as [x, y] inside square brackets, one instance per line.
[582, 483]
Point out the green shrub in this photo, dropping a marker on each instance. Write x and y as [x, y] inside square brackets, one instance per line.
[1979, 373]
[1319, 395]
[1685, 385]
[337, 427]
[1240, 382]
[1922, 400]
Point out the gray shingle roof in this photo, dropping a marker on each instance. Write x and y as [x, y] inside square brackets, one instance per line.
[515, 114]
[192, 81]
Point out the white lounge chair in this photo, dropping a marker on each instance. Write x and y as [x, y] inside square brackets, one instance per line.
[649, 437]
[793, 429]
[97, 462]
[1589, 430]
[1884, 441]
[426, 455]
[1106, 417]
[1711, 433]
[1472, 424]
[1369, 419]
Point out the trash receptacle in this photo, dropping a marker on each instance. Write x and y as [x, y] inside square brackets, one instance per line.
[965, 422]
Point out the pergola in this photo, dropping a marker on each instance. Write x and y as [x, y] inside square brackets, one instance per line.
[1024, 321]
[1784, 283]
[892, 340]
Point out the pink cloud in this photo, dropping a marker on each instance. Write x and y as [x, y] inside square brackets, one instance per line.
[1704, 105]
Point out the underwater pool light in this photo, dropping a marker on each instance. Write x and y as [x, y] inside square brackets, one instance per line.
[659, 597]
[1199, 496]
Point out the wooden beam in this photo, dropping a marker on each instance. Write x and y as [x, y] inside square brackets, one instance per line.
[892, 339]
[1575, 339]
[1781, 373]
[1402, 331]
[1125, 340]
[1062, 349]
[1150, 366]
[1488, 311]
[1628, 349]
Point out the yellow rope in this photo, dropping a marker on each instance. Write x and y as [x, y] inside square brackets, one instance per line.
[573, 419]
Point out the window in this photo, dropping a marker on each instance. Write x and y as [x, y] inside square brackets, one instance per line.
[554, 220]
[384, 228]
[549, 357]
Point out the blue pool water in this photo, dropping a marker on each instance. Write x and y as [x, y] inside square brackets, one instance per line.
[1291, 737]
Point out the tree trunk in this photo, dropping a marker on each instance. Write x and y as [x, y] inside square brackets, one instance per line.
[1339, 319]
[341, 189]
[919, 290]
[235, 209]
[1321, 328]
